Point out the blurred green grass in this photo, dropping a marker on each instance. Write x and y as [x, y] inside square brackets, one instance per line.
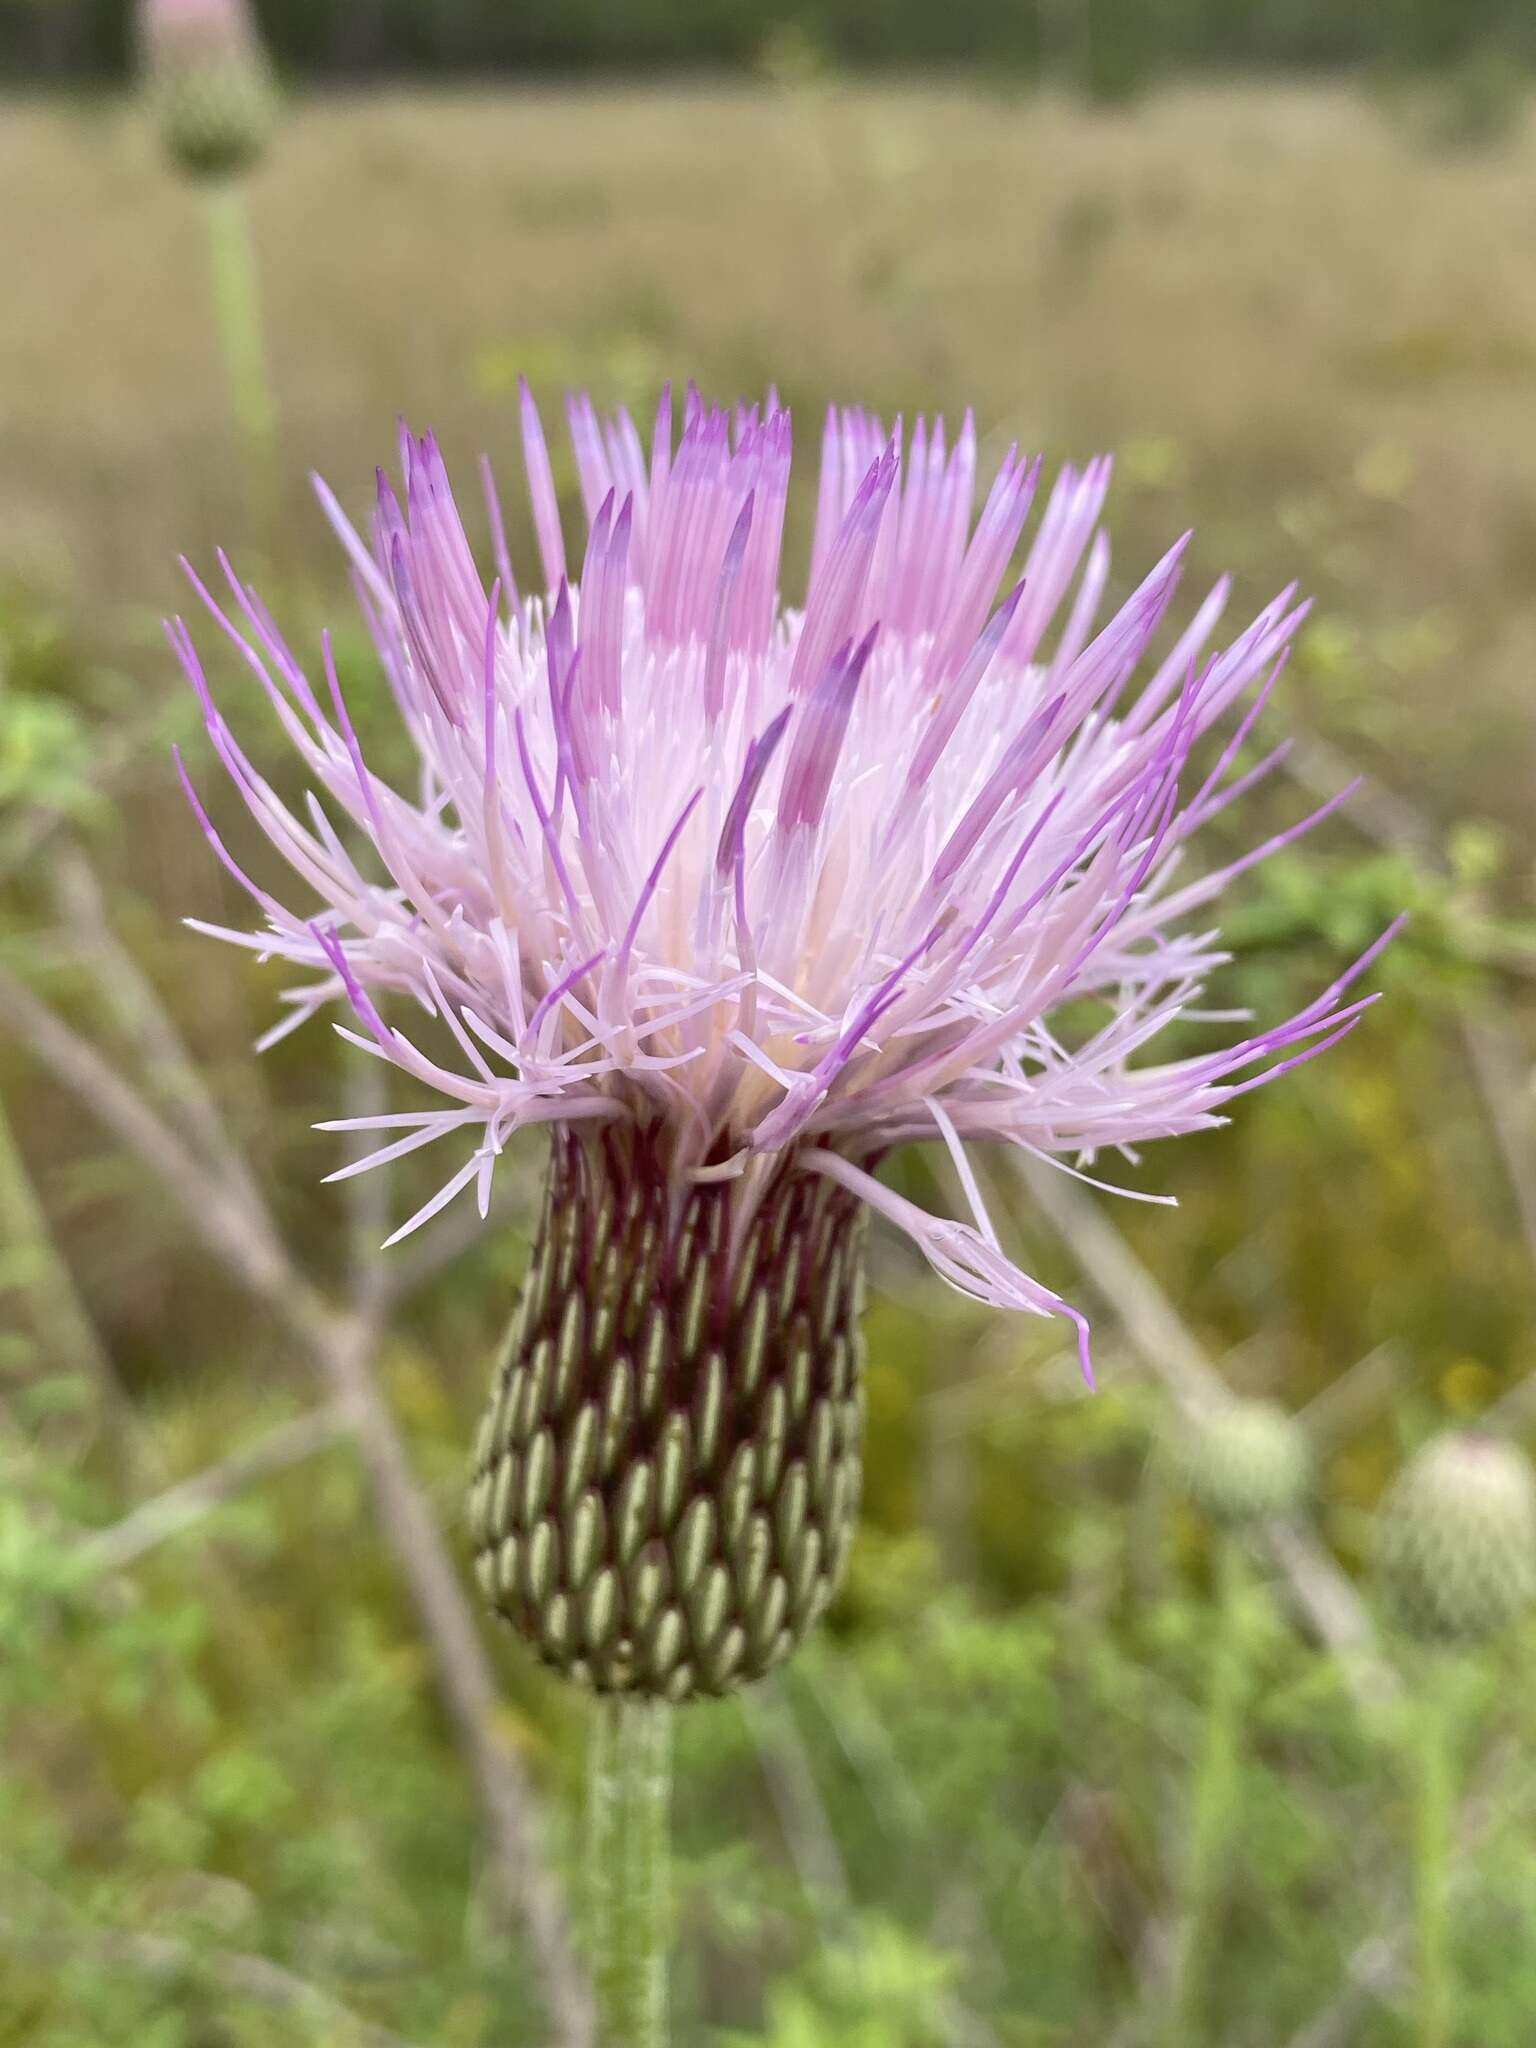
[1304, 334]
[1300, 328]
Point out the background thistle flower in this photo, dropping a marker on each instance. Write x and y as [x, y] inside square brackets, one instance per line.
[210, 85]
[1458, 1539]
[1246, 1460]
[1457, 1557]
[743, 897]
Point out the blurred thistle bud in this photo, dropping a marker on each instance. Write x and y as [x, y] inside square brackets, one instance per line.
[210, 85]
[1458, 1538]
[1245, 1460]
[791, 58]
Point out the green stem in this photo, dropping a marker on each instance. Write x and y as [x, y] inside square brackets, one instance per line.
[237, 314]
[1434, 1814]
[1214, 1806]
[628, 1795]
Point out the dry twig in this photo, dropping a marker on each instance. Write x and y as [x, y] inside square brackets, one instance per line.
[227, 1215]
[183, 1505]
[1322, 1591]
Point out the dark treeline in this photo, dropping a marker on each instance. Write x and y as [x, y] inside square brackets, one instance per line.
[1098, 40]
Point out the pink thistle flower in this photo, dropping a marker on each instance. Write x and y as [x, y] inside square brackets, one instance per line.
[797, 886]
[741, 897]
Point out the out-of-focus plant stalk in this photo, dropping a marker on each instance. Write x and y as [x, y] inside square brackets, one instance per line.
[237, 316]
[33, 1266]
[210, 90]
[1213, 1807]
[1434, 1814]
[629, 1794]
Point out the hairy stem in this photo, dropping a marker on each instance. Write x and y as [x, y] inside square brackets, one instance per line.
[628, 1798]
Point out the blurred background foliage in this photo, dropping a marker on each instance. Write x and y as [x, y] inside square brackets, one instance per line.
[1117, 42]
[232, 1806]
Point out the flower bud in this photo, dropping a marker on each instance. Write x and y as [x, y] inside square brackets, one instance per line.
[667, 1478]
[1244, 1460]
[1458, 1538]
[210, 85]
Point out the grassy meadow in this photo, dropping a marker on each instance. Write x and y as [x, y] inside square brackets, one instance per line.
[995, 1805]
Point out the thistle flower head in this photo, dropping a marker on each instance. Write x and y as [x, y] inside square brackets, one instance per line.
[1246, 1460]
[1458, 1538]
[738, 896]
[775, 887]
[210, 84]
